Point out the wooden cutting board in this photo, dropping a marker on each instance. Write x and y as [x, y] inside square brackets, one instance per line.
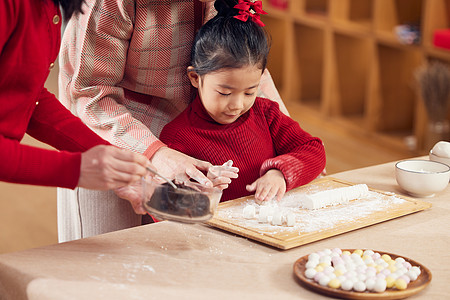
[314, 225]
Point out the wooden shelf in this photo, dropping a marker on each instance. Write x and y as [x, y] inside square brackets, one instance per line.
[342, 59]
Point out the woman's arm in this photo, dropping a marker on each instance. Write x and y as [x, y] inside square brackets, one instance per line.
[54, 125]
[268, 90]
[92, 65]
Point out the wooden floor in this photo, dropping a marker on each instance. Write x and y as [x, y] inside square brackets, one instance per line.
[28, 213]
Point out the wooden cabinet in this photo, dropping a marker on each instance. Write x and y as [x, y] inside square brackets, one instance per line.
[342, 60]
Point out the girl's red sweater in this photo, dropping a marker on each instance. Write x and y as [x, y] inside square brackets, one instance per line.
[29, 44]
[262, 139]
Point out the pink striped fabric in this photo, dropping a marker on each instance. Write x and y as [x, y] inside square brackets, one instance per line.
[123, 68]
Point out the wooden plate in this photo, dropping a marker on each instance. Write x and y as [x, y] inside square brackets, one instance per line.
[413, 287]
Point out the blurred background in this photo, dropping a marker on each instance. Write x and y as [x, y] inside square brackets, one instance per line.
[349, 71]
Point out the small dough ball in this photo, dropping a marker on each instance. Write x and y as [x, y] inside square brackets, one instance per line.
[359, 286]
[390, 281]
[277, 219]
[386, 257]
[416, 270]
[313, 256]
[380, 286]
[290, 219]
[347, 285]
[263, 214]
[310, 273]
[249, 212]
[412, 275]
[334, 283]
[370, 284]
[323, 281]
[400, 284]
[312, 263]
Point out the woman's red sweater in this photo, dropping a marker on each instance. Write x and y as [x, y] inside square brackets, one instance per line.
[29, 44]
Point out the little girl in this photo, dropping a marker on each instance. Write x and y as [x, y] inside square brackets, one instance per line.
[227, 121]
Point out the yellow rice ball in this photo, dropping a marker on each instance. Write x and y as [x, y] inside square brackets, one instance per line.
[390, 281]
[386, 257]
[334, 283]
[392, 269]
[400, 284]
[379, 268]
[319, 268]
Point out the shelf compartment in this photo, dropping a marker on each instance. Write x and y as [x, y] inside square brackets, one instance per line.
[437, 17]
[396, 106]
[390, 13]
[307, 65]
[316, 7]
[353, 58]
[357, 13]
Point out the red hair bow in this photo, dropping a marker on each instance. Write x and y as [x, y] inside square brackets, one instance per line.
[249, 9]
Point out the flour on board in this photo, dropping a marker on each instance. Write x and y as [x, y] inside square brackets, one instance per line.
[307, 220]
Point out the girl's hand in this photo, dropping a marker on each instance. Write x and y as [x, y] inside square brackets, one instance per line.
[221, 175]
[268, 186]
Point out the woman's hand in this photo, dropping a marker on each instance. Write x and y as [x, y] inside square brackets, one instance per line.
[171, 163]
[268, 186]
[133, 193]
[108, 167]
[221, 175]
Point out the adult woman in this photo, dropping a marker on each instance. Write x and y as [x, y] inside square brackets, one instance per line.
[29, 43]
[126, 78]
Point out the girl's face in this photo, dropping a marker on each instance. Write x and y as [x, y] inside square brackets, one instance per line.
[227, 94]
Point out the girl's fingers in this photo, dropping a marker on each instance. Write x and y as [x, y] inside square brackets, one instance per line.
[261, 192]
[251, 187]
[280, 194]
[222, 186]
[221, 180]
[271, 194]
[219, 171]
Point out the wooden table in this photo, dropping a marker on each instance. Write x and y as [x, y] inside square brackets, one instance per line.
[177, 261]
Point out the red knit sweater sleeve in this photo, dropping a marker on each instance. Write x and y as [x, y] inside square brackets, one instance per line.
[37, 166]
[29, 42]
[300, 157]
[55, 125]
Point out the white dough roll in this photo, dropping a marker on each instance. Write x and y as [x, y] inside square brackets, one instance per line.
[334, 196]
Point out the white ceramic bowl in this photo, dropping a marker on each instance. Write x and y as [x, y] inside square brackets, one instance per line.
[434, 157]
[444, 160]
[422, 178]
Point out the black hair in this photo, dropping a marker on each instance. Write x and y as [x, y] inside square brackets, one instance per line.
[226, 42]
[69, 7]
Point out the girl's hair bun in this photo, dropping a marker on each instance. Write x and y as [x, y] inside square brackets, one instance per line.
[225, 8]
